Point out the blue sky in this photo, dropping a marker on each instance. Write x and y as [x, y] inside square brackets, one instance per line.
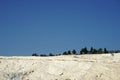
[55, 26]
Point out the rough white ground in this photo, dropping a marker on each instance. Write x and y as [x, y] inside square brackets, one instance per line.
[73, 67]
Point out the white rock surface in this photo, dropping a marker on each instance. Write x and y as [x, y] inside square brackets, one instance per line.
[72, 67]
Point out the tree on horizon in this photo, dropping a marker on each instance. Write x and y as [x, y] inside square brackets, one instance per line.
[105, 50]
[93, 50]
[69, 52]
[65, 53]
[74, 52]
[34, 54]
[84, 51]
[99, 51]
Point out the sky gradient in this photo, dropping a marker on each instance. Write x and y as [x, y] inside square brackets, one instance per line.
[55, 26]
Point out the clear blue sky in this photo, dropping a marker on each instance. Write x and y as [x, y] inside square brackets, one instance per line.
[54, 26]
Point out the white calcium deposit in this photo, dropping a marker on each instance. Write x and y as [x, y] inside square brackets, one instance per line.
[69, 67]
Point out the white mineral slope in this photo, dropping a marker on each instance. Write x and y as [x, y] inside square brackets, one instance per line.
[72, 67]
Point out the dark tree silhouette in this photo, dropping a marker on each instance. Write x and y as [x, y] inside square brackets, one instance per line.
[99, 51]
[84, 51]
[105, 50]
[74, 52]
[43, 55]
[93, 50]
[65, 53]
[50, 54]
[69, 52]
[34, 54]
